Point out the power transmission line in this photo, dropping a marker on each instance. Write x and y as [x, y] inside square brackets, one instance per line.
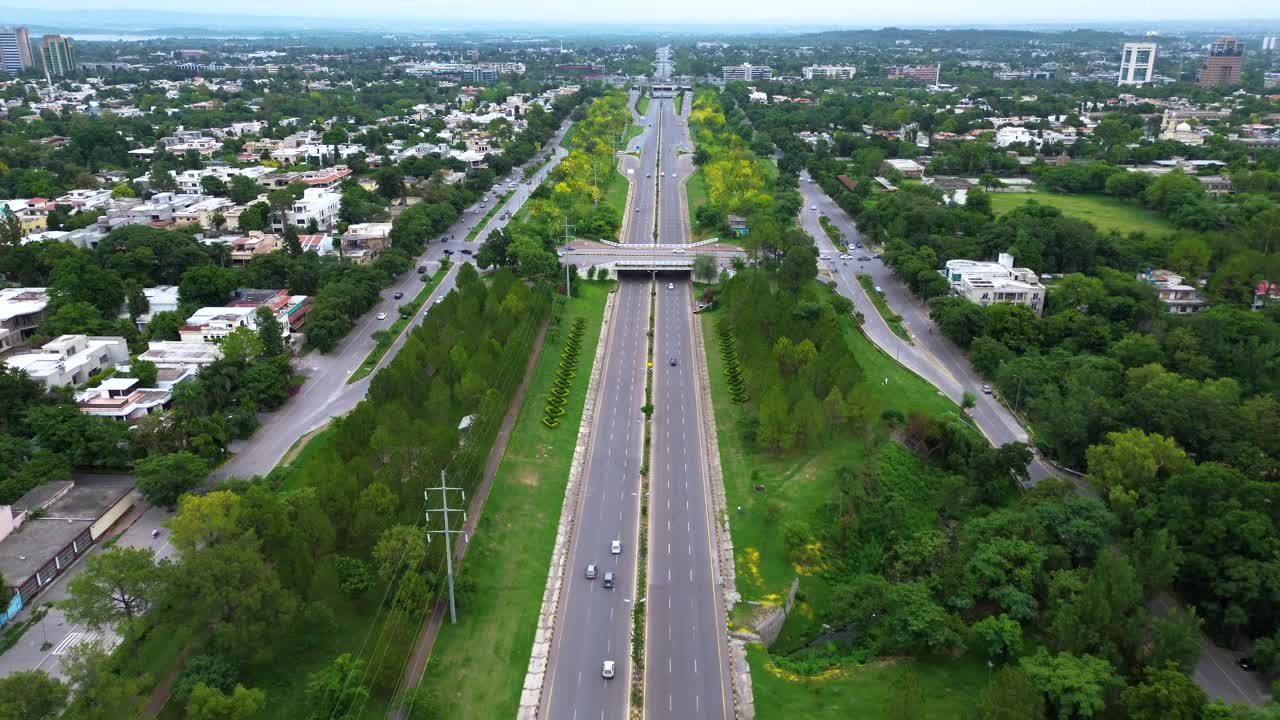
[443, 511]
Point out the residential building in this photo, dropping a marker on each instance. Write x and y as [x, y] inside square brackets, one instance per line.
[924, 73]
[1013, 135]
[70, 359]
[86, 199]
[57, 55]
[247, 247]
[1171, 289]
[1265, 294]
[204, 212]
[123, 399]
[316, 204]
[367, 236]
[211, 324]
[21, 312]
[175, 353]
[986, 283]
[829, 72]
[908, 168]
[15, 49]
[1222, 63]
[747, 72]
[1216, 185]
[1137, 64]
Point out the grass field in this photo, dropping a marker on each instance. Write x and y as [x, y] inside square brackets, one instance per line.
[642, 104]
[892, 319]
[615, 196]
[1104, 212]
[388, 336]
[949, 688]
[695, 191]
[478, 665]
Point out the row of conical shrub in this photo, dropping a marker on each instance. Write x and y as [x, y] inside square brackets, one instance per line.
[732, 368]
[558, 397]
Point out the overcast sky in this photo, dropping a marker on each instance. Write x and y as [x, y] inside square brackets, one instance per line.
[860, 13]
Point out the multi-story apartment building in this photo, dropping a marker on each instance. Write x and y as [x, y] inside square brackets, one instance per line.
[829, 72]
[1223, 62]
[1137, 64]
[924, 73]
[747, 72]
[15, 49]
[57, 55]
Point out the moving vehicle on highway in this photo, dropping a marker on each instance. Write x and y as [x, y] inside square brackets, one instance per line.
[607, 671]
[591, 571]
[615, 547]
[608, 581]
[382, 316]
[399, 295]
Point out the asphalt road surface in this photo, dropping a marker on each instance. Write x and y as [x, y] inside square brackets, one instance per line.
[687, 656]
[594, 624]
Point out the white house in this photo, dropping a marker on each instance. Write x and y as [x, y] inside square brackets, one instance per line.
[70, 359]
[316, 203]
[986, 283]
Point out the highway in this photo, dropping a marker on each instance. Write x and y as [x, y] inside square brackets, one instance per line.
[686, 646]
[594, 624]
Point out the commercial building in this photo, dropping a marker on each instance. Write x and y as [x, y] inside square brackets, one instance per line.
[908, 168]
[1223, 62]
[986, 283]
[1271, 43]
[70, 359]
[747, 72]
[1137, 64]
[15, 49]
[829, 72]
[57, 55]
[1174, 293]
[924, 73]
[44, 531]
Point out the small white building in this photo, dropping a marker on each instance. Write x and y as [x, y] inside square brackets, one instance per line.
[173, 353]
[1013, 134]
[316, 204]
[123, 399]
[1174, 293]
[70, 359]
[986, 283]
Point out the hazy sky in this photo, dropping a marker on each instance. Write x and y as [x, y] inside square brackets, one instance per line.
[859, 13]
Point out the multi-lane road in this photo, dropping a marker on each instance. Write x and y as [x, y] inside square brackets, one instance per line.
[685, 645]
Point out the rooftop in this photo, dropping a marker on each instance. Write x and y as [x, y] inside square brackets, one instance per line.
[31, 546]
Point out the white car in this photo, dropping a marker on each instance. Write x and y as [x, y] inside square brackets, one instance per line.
[671, 286]
[615, 547]
[845, 256]
[678, 251]
[382, 316]
[607, 671]
[813, 208]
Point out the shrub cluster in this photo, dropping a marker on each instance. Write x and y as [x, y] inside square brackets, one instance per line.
[732, 368]
[559, 395]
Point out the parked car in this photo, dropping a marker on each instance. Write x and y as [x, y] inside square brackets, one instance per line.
[465, 251]
[986, 388]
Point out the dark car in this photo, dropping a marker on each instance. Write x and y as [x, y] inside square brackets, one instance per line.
[399, 295]
[422, 269]
[448, 252]
[608, 580]
[465, 251]
[673, 362]
[1246, 664]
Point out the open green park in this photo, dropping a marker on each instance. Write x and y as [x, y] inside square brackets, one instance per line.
[796, 486]
[477, 666]
[1106, 213]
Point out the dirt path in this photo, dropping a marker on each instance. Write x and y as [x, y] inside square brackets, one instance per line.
[160, 696]
[427, 639]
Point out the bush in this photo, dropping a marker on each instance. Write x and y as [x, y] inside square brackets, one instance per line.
[213, 670]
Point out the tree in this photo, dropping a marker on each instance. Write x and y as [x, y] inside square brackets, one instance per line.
[799, 266]
[1175, 640]
[206, 285]
[422, 703]
[390, 182]
[399, 547]
[243, 189]
[117, 585]
[161, 178]
[123, 190]
[1075, 686]
[336, 690]
[213, 185]
[292, 243]
[1000, 634]
[31, 695]
[987, 355]
[270, 333]
[704, 268]
[241, 345]
[1010, 696]
[208, 703]
[255, 217]
[101, 693]
[144, 371]
[162, 479]
[217, 672]
[354, 578]
[1165, 693]
[11, 231]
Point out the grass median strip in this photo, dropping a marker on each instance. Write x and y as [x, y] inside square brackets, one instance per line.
[497, 205]
[832, 232]
[386, 337]
[892, 319]
[642, 105]
[478, 666]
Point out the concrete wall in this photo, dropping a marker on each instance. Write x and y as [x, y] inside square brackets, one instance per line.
[113, 513]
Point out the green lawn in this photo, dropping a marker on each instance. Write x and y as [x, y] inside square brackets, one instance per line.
[1104, 212]
[388, 336]
[642, 104]
[865, 692]
[833, 233]
[478, 666]
[695, 191]
[497, 205]
[679, 103]
[615, 195]
[633, 132]
[892, 319]
[566, 142]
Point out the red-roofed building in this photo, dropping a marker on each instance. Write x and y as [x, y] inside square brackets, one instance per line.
[1266, 293]
[845, 181]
